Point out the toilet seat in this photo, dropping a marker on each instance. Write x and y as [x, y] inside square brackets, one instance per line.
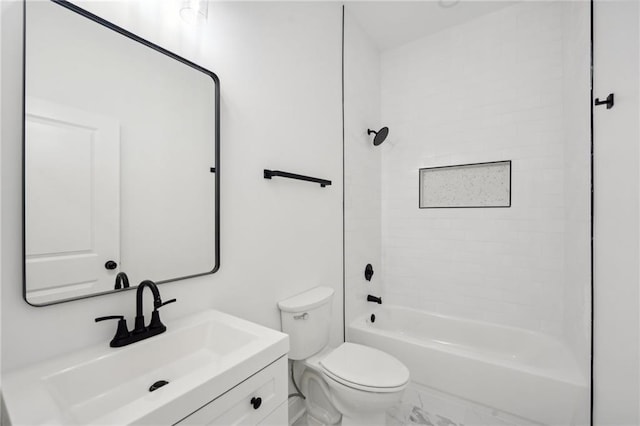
[331, 378]
[365, 368]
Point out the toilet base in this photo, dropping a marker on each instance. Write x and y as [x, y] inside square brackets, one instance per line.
[342, 405]
[318, 400]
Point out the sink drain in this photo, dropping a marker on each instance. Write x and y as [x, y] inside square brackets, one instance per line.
[158, 385]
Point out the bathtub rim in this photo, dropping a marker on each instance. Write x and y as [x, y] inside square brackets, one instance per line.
[573, 376]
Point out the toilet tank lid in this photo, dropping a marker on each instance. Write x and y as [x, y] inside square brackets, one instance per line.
[307, 300]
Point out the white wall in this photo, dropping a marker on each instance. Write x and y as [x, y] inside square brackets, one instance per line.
[616, 214]
[2, 412]
[279, 66]
[487, 90]
[576, 85]
[362, 168]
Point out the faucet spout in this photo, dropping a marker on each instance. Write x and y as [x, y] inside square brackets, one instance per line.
[122, 281]
[157, 302]
[375, 299]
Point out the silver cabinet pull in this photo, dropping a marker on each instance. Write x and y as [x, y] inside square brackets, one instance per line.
[301, 316]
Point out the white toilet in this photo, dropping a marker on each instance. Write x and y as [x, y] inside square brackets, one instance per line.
[355, 381]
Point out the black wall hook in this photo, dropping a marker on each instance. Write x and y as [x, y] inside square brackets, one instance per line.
[608, 102]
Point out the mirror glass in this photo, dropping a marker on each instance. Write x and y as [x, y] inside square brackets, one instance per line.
[120, 158]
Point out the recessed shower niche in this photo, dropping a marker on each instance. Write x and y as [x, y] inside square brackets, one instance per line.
[467, 185]
[121, 158]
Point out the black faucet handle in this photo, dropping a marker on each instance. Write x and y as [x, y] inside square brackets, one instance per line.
[155, 323]
[159, 305]
[122, 332]
[110, 317]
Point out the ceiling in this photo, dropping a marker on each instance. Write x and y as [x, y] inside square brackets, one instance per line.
[394, 23]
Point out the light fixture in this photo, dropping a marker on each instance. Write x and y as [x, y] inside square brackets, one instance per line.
[194, 11]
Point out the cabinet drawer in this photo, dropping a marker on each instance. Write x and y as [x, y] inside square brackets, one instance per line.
[248, 402]
[278, 417]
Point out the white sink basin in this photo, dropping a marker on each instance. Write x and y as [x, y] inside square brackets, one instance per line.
[201, 357]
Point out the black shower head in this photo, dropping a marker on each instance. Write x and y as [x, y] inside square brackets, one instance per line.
[380, 135]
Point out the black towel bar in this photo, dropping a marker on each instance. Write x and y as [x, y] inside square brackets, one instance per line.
[268, 174]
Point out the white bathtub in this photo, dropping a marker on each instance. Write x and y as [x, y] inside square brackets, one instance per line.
[527, 374]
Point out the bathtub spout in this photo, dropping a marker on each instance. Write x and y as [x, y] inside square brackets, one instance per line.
[375, 299]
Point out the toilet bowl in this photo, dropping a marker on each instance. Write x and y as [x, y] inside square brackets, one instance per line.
[361, 383]
[353, 382]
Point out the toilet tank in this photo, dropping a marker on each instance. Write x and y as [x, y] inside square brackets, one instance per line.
[306, 318]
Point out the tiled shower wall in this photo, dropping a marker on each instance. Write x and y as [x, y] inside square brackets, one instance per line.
[362, 167]
[488, 90]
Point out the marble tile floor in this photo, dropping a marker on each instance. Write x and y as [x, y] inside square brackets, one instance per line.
[425, 406]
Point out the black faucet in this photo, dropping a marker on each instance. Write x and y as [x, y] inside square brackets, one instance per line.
[375, 299]
[155, 323]
[122, 281]
[125, 337]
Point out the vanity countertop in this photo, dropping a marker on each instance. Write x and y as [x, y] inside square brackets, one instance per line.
[201, 356]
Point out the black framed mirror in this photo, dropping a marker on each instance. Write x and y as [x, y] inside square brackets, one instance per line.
[121, 159]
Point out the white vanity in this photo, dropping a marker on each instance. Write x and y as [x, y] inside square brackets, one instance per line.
[221, 370]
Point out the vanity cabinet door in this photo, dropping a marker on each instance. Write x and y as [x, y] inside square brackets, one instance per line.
[279, 416]
[249, 402]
